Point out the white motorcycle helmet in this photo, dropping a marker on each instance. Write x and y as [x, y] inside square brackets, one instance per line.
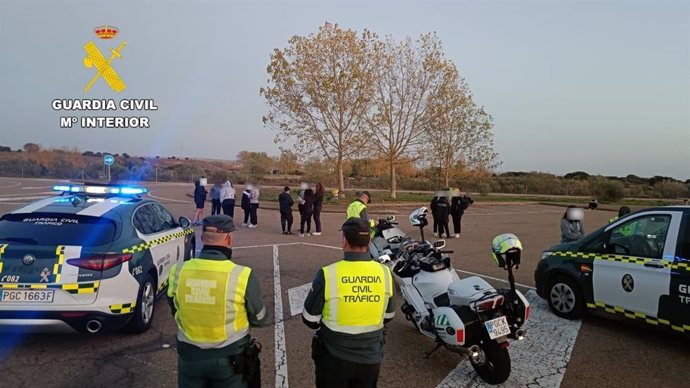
[415, 219]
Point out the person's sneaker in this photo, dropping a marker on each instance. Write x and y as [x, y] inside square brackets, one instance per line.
[308, 234]
[289, 232]
[316, 233]
[251, 226]
[301, 234]
[284, 232]
[244, 224]
[457, 235]
[435, 234]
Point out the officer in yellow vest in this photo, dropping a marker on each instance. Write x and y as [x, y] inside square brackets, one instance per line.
[349, 303]
[214, 302]
[358, 209]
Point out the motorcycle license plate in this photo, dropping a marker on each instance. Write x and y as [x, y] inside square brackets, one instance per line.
[497, 327]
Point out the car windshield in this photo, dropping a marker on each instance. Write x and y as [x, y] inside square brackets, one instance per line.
[56, 229]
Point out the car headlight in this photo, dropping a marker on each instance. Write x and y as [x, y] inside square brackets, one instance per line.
[545, 254]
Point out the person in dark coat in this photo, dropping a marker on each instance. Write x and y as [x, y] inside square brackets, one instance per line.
[246, 204]
[318, 206]
[441, 216]
[434, 202]
[285, 200]
[199, 200]
[306, 212]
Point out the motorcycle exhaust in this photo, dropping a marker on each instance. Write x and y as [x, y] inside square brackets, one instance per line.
[520, 334]
[94, 326]
[474, 354]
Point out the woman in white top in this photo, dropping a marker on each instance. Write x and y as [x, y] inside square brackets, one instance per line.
[227, 199]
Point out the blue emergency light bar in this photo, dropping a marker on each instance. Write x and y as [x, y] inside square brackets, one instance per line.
[101, 189]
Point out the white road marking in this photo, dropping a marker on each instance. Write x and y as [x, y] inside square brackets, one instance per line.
[265, 246]
[22, 198]
[322, 246]
[15, 184]
[280, 350]
[45, 193]
[37, 187]
[539, 360]
[297, 296]
[150, 193]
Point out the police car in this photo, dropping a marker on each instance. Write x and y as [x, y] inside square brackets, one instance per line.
[635, 268]
[91, 259]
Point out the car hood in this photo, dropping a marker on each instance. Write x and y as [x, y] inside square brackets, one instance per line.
[567, 246]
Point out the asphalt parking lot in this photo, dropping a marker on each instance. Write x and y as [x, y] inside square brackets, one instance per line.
[595, 352]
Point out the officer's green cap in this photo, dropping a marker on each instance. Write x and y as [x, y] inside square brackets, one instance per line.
[219, 223]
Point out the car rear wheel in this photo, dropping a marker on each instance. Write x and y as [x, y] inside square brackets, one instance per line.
[565, 298]
[191, 252]
[145, 308]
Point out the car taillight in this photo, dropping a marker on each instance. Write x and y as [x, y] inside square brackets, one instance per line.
[460, 335]
[101, 262]
[526, 313]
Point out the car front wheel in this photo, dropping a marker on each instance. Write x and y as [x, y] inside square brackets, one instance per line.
[145, 308]
[565, 298]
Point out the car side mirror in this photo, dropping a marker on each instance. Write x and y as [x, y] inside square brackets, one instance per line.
[184, 222]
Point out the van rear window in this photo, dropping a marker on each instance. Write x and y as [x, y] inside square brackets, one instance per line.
[56, 229]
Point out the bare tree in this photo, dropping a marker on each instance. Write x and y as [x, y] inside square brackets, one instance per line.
[409, 77]
[460, 134]
[319, 93]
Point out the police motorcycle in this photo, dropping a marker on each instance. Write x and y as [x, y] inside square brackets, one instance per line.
[466, 316]
[387, 238]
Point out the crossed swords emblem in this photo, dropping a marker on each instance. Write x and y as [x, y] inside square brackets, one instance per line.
[94, 57]
[628, 283]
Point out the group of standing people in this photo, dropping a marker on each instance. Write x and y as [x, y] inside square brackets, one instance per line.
[309, 205]
[444, 209]
[223, 199]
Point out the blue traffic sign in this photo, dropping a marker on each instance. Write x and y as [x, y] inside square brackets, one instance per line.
[108, 160]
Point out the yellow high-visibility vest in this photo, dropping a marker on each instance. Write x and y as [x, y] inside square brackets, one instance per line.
[356, 296]
[355, 209]
[209, 298]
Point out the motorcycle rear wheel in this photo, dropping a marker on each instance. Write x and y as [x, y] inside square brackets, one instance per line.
[495, 368]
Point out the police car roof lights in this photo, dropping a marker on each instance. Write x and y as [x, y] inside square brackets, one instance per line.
[101, 189]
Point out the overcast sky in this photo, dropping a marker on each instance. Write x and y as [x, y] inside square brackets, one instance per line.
[599, 86]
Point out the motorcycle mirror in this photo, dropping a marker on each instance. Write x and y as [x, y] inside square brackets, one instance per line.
[390, 218]
[439, 244]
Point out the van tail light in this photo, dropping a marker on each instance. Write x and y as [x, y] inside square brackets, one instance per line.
[101, 262]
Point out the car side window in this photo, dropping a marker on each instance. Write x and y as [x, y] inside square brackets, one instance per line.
[643, 236]
[146, 220]
[165, 218]
[684, 239]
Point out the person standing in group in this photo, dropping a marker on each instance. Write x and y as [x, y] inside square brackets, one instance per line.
[227, 196]
[199, 200]
[348, 304]
[571, 225]
[246, 204]
[285, 200]
[214, 302]
[432, 206]
[215, 198]
[306, 212]
[441, 217]
[318, 206]
[254, 207]
[457, 209]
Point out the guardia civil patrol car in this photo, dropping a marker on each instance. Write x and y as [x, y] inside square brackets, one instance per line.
[93, 258]
[636, 268]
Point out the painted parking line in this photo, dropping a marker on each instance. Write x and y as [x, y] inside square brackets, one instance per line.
[150, 193]
[540, 360]
[22, 198]
[281, 367]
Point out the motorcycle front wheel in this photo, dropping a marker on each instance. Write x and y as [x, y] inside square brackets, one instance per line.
[493, 365]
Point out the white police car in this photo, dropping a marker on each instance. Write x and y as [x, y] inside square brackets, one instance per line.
[636, 268]
[93, 258]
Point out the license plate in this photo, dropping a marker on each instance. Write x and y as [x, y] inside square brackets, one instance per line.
[497, 327]
[27, 296]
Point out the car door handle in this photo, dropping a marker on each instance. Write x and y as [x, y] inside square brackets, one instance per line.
[653, 264]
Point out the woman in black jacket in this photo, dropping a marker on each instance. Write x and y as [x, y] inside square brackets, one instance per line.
[199, 200]
[306, 212]
[285, 200]
[318, 205]
[441, 216]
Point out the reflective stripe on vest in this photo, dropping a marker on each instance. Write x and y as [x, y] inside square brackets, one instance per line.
[354, 210]
[356, 296]
[209, 298]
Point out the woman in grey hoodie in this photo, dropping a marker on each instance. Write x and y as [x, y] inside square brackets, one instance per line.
[571, 225]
